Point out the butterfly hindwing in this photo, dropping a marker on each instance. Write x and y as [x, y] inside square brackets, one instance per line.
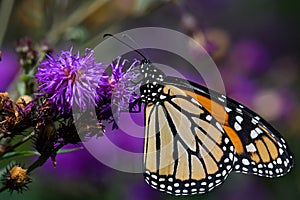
[264, 151]
[260, 149]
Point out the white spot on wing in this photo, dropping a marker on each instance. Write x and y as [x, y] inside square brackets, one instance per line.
[250, 148]
[237, 127]
[226, 140]
[203, 183]
[258, 130]
[279, 161]
[220, 99]
[154, 176]
[208, 117]
[239, 119]
[239, 110]
[270, 165]
[245, 161]
[254, 121]
[162, 97]
[253, 134]
[153, 183]
[227, 109]
[281, 151]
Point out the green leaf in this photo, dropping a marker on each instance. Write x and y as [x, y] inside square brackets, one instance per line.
[26, 77]
[69, 150]
[19, 153]
[35, 153]
[21, 88]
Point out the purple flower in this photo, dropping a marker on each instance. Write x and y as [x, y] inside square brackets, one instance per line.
[69, 79]
[117, 91]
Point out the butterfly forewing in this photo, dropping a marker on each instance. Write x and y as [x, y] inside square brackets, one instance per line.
[186, 149]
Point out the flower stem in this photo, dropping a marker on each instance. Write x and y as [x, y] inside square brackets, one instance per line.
[25, 139]
[43, 158]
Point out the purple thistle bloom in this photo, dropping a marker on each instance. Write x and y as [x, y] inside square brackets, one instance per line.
[117, 91]
[69, 79]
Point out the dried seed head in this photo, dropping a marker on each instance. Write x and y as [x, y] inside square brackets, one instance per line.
[25, 99]
[18, 174]
[7, 114]
[16, 179]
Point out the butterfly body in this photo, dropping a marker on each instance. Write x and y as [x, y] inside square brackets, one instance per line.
[151, 90]
[194, 137]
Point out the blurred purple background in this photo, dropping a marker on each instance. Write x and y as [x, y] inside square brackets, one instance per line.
[9, 68]
[255, 45]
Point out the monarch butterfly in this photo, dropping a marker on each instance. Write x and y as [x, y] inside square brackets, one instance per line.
[194, 137]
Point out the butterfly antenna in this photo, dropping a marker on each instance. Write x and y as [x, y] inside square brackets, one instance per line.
[110, 35]
[133, 41]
